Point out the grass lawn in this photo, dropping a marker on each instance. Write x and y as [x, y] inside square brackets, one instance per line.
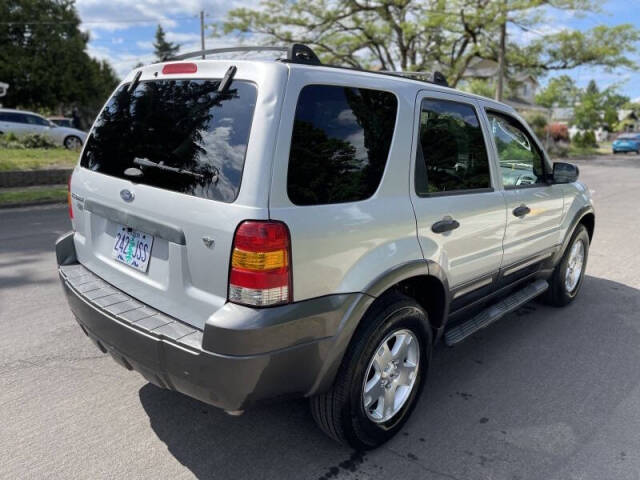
[13, 196]
[36, 158]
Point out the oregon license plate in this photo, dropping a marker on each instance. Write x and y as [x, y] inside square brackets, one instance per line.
[132, 248]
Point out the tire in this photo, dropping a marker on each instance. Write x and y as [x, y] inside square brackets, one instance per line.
[561, 291]
[340, 412]
[72, 142]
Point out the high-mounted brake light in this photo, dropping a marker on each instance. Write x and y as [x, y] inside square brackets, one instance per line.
[170, 68]
[69, 198]
[260, 272]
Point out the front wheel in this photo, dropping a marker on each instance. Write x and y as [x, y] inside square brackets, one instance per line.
[568, 275]
[381, 375]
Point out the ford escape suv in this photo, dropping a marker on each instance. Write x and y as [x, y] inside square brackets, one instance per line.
[246, 230]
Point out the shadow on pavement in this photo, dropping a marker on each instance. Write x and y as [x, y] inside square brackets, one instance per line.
[515, 398]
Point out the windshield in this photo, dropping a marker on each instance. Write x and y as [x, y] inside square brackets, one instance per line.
[183, 124]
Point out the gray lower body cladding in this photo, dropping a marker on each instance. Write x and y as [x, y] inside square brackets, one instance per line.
[301, 348]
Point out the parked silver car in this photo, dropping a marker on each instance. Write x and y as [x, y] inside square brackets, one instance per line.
[251, 229]
[22, 123]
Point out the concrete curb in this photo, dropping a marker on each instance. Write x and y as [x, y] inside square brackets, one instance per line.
[31, 204]
[28, 178]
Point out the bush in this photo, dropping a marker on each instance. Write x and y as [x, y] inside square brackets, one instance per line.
[37, 141]
[538, 124]
[10, 140]
[585, 140]
[559, 132]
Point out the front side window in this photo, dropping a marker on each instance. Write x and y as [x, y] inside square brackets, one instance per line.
[340, 143]
[179, 135]
[521, 163]
[452, 156]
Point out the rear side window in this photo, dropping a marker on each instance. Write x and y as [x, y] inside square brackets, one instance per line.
[179, 135]
[340, 144]
[452, 155]
[14, 117]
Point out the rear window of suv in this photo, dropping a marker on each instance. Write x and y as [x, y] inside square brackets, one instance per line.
[195, 136]
[340, 144]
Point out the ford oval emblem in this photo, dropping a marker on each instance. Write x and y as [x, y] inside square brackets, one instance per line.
[127, 195]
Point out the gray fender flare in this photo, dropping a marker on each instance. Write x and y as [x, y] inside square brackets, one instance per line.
[352, 319]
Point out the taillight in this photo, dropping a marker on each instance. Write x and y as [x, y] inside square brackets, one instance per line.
[260, 272]
[69, 198]
[173, 68]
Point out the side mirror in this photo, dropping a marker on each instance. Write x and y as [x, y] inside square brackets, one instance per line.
[565, 172]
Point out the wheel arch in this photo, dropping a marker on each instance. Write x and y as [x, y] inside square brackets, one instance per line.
[422, 280]
[585, 216]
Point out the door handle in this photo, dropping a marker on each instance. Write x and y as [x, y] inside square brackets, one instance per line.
[521, 211]
[445, 225]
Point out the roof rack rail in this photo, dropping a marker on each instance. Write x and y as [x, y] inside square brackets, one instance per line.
[296, 52]
[431, 77]
[299, 53]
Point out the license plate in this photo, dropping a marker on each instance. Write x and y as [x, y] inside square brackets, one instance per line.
[132, 248]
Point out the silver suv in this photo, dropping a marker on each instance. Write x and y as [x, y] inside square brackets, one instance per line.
[245, 230]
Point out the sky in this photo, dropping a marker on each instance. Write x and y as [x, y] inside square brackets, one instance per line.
[122, 32]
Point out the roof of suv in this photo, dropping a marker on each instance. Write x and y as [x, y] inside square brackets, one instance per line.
[301, 57]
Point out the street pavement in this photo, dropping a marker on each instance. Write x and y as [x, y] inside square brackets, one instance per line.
[543, 394]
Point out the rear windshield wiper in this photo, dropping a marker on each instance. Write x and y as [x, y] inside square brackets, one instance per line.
[145, 162]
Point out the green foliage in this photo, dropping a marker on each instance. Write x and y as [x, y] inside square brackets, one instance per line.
[479, 86]
[33, 140]
[18, 157]
[162, 49]
[560, 92]
[32, 195]
[538, 123]
[585, 140]
[414, 35]
[596, 108]
[43, 57]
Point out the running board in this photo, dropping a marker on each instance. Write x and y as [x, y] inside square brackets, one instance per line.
[494, 312]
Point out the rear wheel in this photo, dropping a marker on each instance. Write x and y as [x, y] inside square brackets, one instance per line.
[72, 142]
[568, 275]
[381, 375]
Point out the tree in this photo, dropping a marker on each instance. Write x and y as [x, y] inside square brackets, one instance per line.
[596, 107]
[416, 35]
[560, 92]
[162, 49]
[43, 57]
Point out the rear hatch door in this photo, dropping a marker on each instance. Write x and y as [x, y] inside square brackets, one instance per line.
[170, 168]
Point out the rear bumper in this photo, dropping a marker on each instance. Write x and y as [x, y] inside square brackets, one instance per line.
[241, 357]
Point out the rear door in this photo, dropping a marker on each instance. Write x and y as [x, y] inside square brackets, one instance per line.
[16, 123]
[534, 205]
[460, 214]
[181, 164]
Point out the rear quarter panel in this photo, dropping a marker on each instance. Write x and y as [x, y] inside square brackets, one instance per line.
[342, 248]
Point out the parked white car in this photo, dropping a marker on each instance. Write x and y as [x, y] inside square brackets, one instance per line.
[22, 123]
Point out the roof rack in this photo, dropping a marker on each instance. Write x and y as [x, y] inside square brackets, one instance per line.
[431, 77]
[296, 53]
[299, 53]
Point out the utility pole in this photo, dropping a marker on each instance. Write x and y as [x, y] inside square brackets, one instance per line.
[501, 55]
[202, 32]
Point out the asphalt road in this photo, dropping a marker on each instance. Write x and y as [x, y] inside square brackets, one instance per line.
[543, 394]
